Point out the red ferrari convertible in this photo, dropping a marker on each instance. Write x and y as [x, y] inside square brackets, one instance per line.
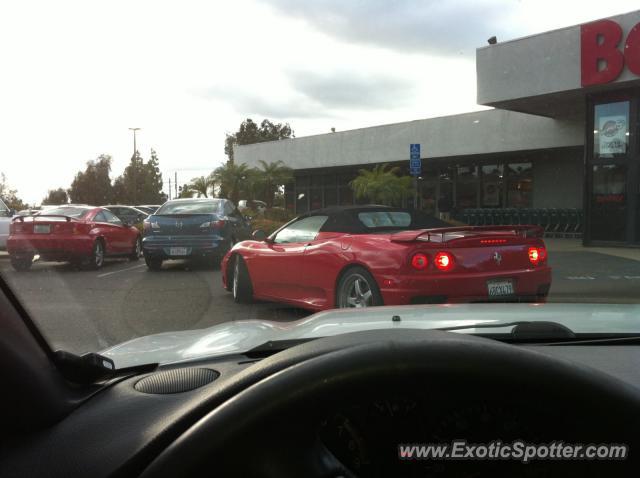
[363, 256]
[79, 234]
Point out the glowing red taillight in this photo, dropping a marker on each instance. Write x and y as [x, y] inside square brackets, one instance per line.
[537, 255]
[419, 261]
[443, 261]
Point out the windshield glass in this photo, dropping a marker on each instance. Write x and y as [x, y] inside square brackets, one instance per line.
[190, 207]
[318, 167]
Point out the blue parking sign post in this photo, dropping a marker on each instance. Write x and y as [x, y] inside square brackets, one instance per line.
[415, 169]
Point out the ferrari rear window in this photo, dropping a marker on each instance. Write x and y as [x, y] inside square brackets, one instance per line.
[385, 219]
[191, 207]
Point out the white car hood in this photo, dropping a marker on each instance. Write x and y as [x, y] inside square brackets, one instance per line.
[241, 336]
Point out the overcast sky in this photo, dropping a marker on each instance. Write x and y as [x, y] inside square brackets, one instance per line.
[77, 74]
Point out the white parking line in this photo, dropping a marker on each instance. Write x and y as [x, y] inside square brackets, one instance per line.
[121, 270]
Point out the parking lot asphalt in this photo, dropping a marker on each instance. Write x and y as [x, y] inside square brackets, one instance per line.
[82, 310]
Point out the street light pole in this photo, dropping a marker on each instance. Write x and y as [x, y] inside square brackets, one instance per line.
[135, 163]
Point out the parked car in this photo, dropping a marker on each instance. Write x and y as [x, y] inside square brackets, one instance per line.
[149, 208]
[258, 206]
[193, 229]
[5, 221]
[361, 256]
[78, 234]
[129, 214]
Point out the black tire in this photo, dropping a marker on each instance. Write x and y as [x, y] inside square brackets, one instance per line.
[137, 250]
[96, 259]
[241, 286]
[153, 263]
[357, 288]
[21, 264]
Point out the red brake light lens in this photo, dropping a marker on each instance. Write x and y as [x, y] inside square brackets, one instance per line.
[419, 261]
[443, 261]
[537, 255]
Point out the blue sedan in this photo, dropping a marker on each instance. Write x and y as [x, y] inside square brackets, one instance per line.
[202, 229]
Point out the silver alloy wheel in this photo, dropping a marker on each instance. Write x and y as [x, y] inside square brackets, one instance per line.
[99, 254]
[138, 247]
[236, 272]
[356, 292]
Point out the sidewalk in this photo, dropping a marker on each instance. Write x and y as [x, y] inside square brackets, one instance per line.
[575, 245]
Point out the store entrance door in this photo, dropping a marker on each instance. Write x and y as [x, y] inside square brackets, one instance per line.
[612, 182]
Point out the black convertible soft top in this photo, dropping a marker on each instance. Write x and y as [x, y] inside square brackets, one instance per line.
[345, 219]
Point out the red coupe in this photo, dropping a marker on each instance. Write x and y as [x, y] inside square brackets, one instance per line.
[79, 234]
[363, 256]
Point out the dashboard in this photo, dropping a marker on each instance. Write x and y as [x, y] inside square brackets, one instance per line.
[120, 430]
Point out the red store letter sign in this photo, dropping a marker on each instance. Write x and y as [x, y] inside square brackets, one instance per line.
[600, 59]
[599, 42]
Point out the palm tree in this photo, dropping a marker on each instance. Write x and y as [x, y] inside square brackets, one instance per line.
[271, 177]
[233, 179]
[381, 185]
[201, 185]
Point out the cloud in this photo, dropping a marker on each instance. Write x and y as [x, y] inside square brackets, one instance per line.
[425, 26]
[348, 90]
[317, 94]
[265, 103]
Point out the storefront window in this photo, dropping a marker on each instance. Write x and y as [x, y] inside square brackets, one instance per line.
[289, 198]
[344, 189]
[316, 198]
[492, 175]
[608, 203]
[467, 187]
[330, 190]
[445, 199]
[519, 185]
[302, 201]
[611, 130]
[428, 191]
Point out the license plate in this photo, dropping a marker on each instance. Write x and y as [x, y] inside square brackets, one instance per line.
[42, 228]
[178, 251]
[498, 288]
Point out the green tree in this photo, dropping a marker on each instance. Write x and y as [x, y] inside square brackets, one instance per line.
[201, 185]
[140, 183]
[56, 197]
[9, 195]
[271, 176]
[249, 133]
[234, 180]
[93, 185]
[381, 185]
[185, 191]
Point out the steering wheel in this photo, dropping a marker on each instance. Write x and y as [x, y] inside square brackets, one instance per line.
[269, 429]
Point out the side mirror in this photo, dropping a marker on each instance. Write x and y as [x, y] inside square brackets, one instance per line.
[12, 212]
[259, 235]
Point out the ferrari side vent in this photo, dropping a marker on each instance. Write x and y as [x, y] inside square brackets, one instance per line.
[176, 381]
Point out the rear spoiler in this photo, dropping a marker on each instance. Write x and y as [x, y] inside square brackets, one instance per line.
[21, 218]
[450, 233]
